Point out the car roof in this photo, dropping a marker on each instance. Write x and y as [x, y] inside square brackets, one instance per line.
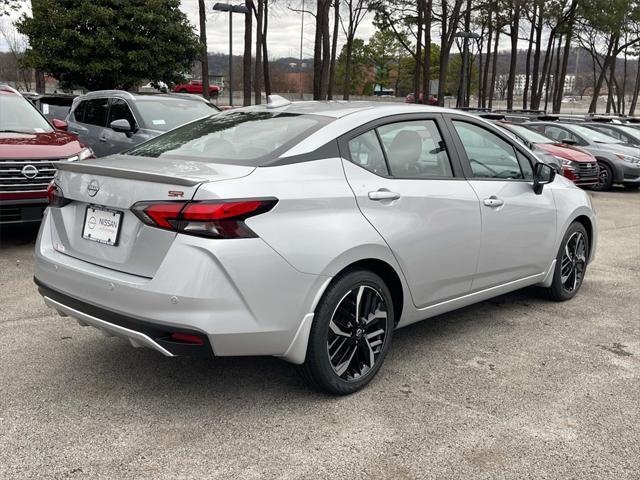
[141, 96]
[340, 108]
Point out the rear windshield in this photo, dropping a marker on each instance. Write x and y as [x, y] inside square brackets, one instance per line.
[19, 115]
[234, 137]
[167, 114]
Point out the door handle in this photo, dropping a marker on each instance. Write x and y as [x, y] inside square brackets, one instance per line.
[493, 201]
[102, 139]
[383, 195]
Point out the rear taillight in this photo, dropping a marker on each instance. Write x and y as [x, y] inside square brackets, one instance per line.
[55, 195]
[213, 219]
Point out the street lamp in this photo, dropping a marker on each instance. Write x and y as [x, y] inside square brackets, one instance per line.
[462, 96]
[225, 7]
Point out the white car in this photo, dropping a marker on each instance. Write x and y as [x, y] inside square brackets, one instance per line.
[308, 231]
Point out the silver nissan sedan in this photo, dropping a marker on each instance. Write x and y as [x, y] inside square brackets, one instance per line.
[308, 231]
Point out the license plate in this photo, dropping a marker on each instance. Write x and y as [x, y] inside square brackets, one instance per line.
[102, 225]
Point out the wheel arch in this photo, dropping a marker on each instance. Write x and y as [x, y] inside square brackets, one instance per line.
[586, 222]
[615, 169]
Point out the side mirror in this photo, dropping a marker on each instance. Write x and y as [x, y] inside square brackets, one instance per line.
[542, 175]
[60, 124]
[122, 125]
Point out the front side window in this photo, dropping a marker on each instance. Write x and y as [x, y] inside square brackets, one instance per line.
[489, 155]
[562, 135]
[19, 115]
[415, 149]
[250, 138]
[119, 110]
[96, 112]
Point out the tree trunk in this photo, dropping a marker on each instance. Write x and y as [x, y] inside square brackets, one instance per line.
[346, 83]
[613, 42]
[494, 67]
[426, 66]
[265, 53]
[257, 72]
[544, 77]
[326, 50]
[204, 62]
[535, 99]
[485, 75]
[334, 47]
[246, 59]
[515, 26]
[527, 66]
[636, 92]
[40, 84]
[317, 51]
[418, 69]
[557, 103]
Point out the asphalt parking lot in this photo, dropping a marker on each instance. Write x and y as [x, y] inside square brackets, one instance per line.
[515, 387]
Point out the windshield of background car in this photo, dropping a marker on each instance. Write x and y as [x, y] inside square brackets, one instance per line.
[529, 135]
[167, 114]
[17, 114]
[234, 137]
[594, 135]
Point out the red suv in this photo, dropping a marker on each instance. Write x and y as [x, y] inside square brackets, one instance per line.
[28, 146]
[195, 86]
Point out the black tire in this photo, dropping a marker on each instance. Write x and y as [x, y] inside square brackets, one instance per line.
[631, 186]
[355, 343]
[605, 178]
[564, 286]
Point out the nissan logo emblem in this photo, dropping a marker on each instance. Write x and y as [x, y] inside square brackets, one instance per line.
[93, 188]
[29, 171]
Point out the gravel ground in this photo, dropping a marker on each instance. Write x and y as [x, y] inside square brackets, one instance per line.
[515, 387]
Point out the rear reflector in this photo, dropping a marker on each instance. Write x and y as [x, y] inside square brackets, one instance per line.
[213, 219]
[186, 338]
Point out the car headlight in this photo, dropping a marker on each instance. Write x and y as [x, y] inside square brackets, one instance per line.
[567, 163]
[629, 159]
[81, 155]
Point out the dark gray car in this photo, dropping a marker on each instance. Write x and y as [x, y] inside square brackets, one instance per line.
[622, 132]
[619, 162]
[111, 121]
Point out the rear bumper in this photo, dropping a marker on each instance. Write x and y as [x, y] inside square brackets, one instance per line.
[138, 332]
[240, 295]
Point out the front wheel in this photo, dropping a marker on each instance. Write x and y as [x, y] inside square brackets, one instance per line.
[605, 178]
[571, 264]
[351, 333]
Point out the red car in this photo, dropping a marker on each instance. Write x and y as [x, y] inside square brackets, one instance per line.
[28, 145]
[577, 165]
[195, 86]
[411, 98]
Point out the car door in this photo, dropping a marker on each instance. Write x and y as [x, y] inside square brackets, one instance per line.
[116, 142]
[414, 194]
[518, 226]
[91, 127]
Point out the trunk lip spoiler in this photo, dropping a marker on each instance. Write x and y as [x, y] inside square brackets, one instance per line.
[131, 174]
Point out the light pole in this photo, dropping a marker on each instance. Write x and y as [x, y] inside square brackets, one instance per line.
[226, 7]
[462, 96]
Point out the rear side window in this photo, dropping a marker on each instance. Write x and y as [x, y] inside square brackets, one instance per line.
[78, 113]
[96, 112]
[251, 138]
[365, 151]
[415, 149]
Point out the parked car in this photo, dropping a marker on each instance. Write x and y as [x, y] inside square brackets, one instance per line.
[111, 121]
[52, 105]
[625, 133]
[574, 163]
[411, 98]
[195, 86]
[618, 163]
[28, 146]
[308, 231]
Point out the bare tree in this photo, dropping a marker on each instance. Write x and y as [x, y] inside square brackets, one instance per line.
[334, 48]
[246, 59]
[356, 10]
[204, 61]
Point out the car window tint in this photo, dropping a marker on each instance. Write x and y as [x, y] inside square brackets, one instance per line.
[489, 155]
[560, 134]
[365, 151]
[78, 113]
[96, 112]
[118, 110]
[415, 149]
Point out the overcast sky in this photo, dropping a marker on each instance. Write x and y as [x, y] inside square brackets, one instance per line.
[283, 34]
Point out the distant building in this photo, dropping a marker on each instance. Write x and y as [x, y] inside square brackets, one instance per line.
[520, 81]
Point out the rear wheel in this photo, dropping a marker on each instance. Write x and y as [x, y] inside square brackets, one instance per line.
[571, 264]
[605, 178]
[351, 333]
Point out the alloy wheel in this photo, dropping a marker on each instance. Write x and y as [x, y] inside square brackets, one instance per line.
[574, 261]
[357, 332]
[603, 176]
